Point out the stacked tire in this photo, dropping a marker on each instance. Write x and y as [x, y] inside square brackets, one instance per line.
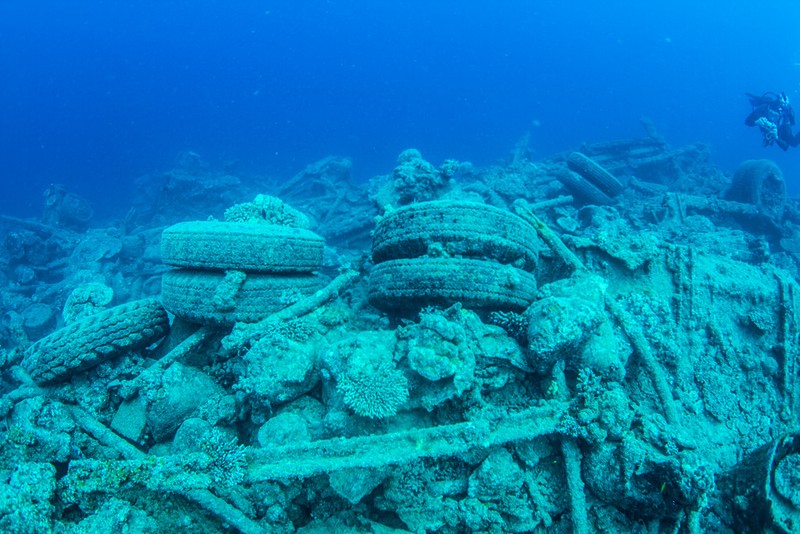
[589, 181]
[442, 252]
[228, 272]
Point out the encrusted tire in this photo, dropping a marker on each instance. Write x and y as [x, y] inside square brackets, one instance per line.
[595, 173]
[582, 189]
[765, 483]
[95, 339]
[263, 248]
[760, 182]
[225, 298]
[467, 229]
[414, 283]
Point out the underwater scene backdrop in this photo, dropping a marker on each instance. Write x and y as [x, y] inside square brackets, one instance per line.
[399, 266]
[96, 93]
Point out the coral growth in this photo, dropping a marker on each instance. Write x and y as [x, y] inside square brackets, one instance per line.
[375, 392]
[269, 210]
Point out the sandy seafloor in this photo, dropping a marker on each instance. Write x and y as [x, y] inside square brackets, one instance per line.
[604, 340]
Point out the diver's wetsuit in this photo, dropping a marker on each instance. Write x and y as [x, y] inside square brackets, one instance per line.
[775, 116]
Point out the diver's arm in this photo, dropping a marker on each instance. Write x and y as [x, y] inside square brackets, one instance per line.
[756, 114]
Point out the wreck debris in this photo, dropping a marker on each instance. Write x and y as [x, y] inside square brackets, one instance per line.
[789, 332]
[431, 417]
[95, 339]
[648, 359]
[761, 184]
[223, 510]
[549, 237]
[765, 482]
[244, 333]
[230, 272]
[572, 463]
[409, 284]
[582, 189]
[190, 344]
[468, 229]
[364, 452]
[595, 173]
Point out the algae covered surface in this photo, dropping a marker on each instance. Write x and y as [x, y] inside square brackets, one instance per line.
[603, 340]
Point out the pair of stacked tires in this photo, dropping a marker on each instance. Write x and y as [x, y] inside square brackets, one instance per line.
[442, 252]
[228, 272]
[589, 181]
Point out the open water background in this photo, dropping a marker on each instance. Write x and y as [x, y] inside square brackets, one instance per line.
[94, 93]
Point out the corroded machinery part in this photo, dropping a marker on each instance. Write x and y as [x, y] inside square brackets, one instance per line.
[95, 339]
[260, 248]
[414, 283]
[218, 298]
[595, 173]
[469, 229]
[307, 459]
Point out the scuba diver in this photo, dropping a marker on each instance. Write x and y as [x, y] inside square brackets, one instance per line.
[774, 116]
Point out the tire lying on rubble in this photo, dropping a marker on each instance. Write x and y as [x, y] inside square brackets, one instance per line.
[468, 229]
[95, 339]
[206, 297]
[247, 247]
[408, 284]
[595, 173]
[582, 189]
[760, 182]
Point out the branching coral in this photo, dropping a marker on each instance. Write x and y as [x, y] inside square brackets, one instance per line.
[375, 392]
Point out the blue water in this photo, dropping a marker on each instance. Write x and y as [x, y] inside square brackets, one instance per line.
[94, 93]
